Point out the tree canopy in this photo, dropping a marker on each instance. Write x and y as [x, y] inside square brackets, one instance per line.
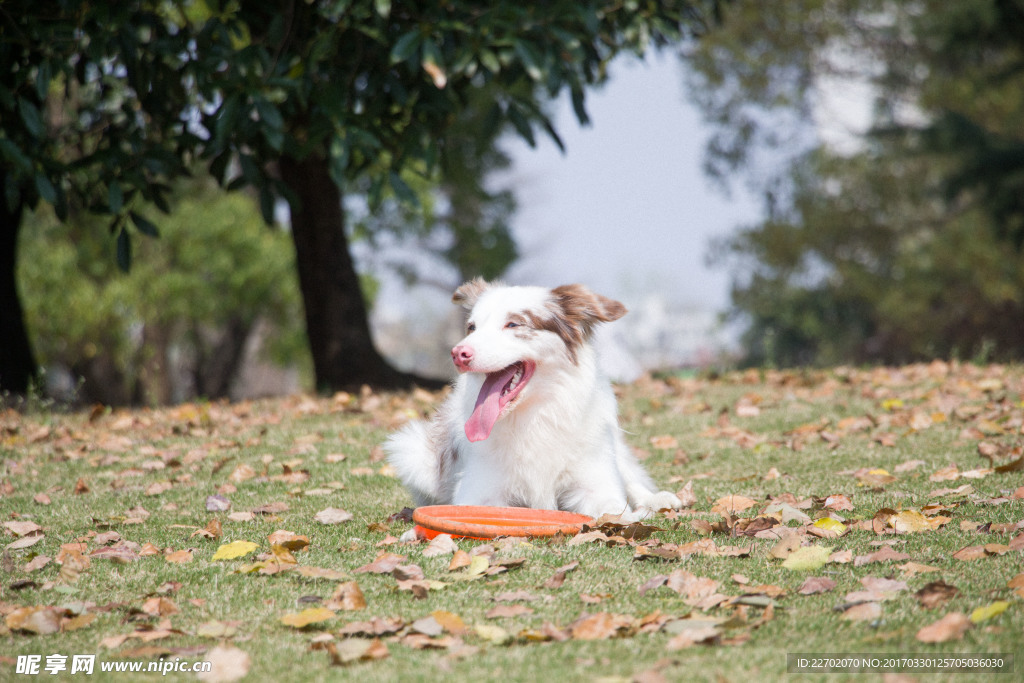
[103, 103]
[906, 244]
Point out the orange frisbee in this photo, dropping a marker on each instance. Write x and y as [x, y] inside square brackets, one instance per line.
[483, 522]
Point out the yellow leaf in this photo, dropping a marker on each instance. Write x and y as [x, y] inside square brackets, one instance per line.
[808, 559]
[478, 565]
[494, 634]
[892, 403]
[988, 611]
[306, 617]
[830, 524]
[235, 549]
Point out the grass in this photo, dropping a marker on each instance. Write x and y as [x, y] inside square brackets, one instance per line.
[757, 435]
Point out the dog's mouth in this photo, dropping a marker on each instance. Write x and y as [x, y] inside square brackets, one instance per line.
[500, 389]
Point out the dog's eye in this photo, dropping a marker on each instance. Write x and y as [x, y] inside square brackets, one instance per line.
[471, 327]
[511, 324]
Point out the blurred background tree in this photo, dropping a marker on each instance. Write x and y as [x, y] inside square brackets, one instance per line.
[180, 324]
[903, 242]
[104, 104]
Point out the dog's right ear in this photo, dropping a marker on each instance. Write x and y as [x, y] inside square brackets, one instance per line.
[467, 294]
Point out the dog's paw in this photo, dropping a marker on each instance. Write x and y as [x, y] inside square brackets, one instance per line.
[662, 500]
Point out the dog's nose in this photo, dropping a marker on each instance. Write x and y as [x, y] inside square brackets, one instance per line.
[462, 355]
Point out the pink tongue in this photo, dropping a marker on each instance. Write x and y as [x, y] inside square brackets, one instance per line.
[488, 405]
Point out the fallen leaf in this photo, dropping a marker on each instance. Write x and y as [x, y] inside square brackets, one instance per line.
[290, 540]
[384, 563]
[600, 626]
[502, 611]
[914, 568]
[816, 584]
[886, 554]
[179, 556]
[838, 502]
[332, 516]
[807, 559]
[352, 650]
[312, 615]
[347, 597]
[442, 544]
[227, 663]
[217, 503]
[936, 594]
[38, 620]
[733, 504]
[950, 627]
[865, 611]
[988, 611]
[23, 528]
[452, 623]
[493, 634]
[233, 550]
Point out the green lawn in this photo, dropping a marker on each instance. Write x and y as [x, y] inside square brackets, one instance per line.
[929, 458]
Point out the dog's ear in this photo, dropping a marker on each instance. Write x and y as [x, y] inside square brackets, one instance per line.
[585, 308]
[576, 311]
[467, 294]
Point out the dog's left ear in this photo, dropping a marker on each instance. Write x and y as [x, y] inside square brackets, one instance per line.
[467, 294]
[584, 309]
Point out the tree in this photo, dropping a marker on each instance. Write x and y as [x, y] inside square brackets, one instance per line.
[302, 98]
[175, 327]
[901, 247]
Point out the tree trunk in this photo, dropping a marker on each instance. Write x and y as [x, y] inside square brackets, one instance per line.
[218, 361]
[337, 324]
[17, 364]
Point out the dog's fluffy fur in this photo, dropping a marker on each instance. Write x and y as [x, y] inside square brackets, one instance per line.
[530, 422]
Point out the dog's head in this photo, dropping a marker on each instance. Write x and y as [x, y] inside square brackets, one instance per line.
[512, 330]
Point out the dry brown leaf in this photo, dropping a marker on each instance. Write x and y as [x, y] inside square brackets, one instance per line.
[179, 556]
[733, 504]
[502, 611]
[838, 501]
[601, 626]
[865, 611]
[347, 597]
[451, 623]
[385, 563]
[159, 607]
[816, 584]
[886, 554]
[228, 663]
[950, 627]
[288, 539]
[38, 620]
[936, 594]
[442, 544]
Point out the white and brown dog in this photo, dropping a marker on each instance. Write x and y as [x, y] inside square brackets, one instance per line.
[530, 422]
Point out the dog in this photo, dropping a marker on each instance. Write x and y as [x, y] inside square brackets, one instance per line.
[530, 421]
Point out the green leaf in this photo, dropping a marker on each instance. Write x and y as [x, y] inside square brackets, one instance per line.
[383, 7]
[31, 117]
[145, 226]
[46, 189]
[269, 114]
[522, 125]
[490, 61]
[402, 189]
[124, 250]
[405, 47]
[531, 59]
[115, 197]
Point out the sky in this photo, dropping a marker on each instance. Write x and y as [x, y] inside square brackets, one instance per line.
[627, 209]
